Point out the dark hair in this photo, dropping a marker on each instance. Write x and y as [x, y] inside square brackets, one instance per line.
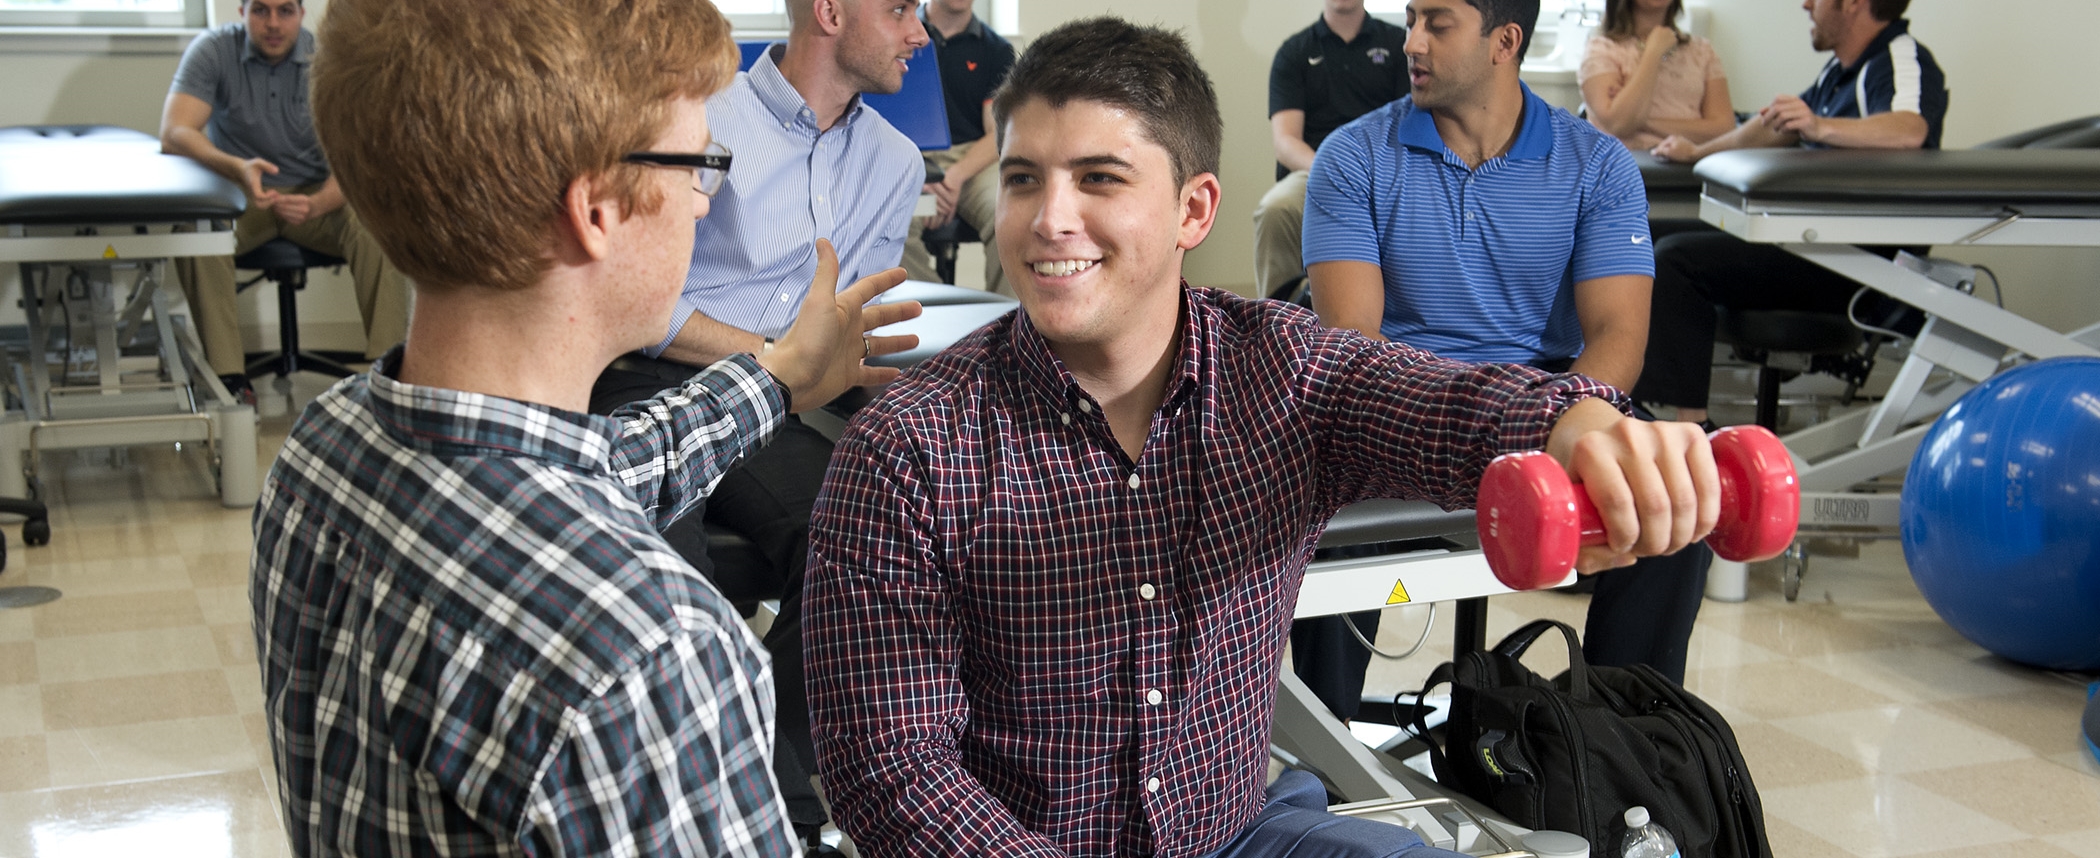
[1495, 13]
[1888, 10]
[1145, 70]
[1618, 17]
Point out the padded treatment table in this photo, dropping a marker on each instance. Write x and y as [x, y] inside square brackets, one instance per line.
[1673, 189]
[1820, 204]
[83, 210]
[1429, 555]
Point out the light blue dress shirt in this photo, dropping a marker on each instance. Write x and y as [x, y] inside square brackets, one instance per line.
[789, 185]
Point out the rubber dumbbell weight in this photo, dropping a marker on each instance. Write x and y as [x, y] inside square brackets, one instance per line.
[1533, 520]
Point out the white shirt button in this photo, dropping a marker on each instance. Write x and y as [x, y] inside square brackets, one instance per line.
[1147, 592]
[1152, 785]
[1086, 406]
[1154, 697]
[783, 297]
[1066, 418]
[1133, 481]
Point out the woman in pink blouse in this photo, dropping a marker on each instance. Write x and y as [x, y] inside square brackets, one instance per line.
[1643, 79]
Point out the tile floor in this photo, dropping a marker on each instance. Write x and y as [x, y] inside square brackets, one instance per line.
[129, 709]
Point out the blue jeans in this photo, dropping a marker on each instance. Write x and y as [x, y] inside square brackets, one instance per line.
[1295, 824]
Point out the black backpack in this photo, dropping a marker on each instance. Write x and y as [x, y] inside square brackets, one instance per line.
[1573, 753]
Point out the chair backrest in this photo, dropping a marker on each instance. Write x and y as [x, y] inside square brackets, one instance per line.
[920, 109]
[2081, 133]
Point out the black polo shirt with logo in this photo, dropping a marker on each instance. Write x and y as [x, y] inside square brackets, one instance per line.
[1335, 81]
[973, 64]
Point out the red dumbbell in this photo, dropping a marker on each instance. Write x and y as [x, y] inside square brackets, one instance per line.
[1533, 520]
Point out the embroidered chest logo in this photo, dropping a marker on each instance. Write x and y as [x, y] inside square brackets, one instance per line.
[1313, 61]
[1378, 55]
[971, 63]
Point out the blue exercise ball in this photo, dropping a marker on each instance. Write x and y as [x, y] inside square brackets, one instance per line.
[2001, 514]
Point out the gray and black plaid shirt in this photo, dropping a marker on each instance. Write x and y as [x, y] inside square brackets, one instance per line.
[474, 641]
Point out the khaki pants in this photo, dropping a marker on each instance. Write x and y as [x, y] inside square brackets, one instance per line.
[1278, 242]
[208, 283]
[977, 205]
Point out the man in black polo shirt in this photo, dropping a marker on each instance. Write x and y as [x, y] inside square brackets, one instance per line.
[1345, 65]
[1880, 90]
[973, 62]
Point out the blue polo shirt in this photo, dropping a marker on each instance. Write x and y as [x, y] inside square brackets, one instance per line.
[1893, 73]
[1480, 264]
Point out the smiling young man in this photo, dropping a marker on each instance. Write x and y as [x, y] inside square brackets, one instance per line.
[239, 106]
[1052, 568]
[473, 638]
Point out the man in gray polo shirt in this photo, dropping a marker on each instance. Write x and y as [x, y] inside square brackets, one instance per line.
[239, 106]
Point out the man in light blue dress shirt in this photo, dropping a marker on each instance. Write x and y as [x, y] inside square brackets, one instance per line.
[811, 161]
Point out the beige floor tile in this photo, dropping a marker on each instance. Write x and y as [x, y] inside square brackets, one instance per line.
[2033, 795]
[236, 644]
[225, 814]
[157, 749]
[2019, 848]
[21, 710]
[18, 662]
[1884, 816]
[1915, 674]
[1778, 758]
[2084, 844]
[2040, 719]
[1789, 841]
[16, 624]
[1779, 690]
[246, 684]
[2081, 762]
[23, 765]
[227, 568]
[113, 576]
[225, 606]
[94, 615]
[82, 658]
[137, 699]
[1895, 739]
[1712, 648]
[1800, 630]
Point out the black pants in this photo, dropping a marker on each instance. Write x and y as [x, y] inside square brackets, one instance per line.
[766, 498]
[1696, 272]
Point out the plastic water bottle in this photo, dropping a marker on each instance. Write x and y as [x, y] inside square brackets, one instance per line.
[1645, 839]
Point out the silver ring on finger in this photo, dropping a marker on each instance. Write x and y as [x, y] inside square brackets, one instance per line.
[866, 346]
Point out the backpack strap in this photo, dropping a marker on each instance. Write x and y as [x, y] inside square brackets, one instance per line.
[1518, 641]
[1420, 723]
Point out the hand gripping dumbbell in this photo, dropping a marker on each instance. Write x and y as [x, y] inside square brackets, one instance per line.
[1533, 519]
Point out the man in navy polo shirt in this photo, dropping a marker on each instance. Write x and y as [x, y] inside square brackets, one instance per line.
[1345, 65]
[1474, 220]
[1880, 90]
[973, 61]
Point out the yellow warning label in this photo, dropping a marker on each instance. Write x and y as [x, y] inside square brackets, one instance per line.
[109, 252]
[1399, 595]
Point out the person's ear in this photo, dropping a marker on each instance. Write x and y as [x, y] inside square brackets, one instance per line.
[585, 221]
[1508, 39]
[1200, 197]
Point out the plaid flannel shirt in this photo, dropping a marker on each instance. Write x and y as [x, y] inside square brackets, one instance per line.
[1021, 642]
[474, 641]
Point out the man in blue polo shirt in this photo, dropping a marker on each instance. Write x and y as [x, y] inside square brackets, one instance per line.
[1474, 220]
[1880, 90]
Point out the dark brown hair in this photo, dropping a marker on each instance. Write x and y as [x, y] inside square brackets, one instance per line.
[1145, 70]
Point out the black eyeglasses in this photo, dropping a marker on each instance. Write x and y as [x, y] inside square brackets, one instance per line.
[711, 167]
